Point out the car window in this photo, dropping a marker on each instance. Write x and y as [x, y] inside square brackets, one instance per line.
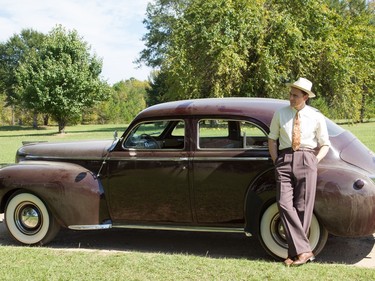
[165, 134]
[230, 134]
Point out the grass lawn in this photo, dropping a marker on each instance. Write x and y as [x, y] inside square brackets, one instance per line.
[46, 264]
[25, 263]
[11, 138]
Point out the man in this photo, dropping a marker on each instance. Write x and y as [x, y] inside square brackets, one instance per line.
[303, 143]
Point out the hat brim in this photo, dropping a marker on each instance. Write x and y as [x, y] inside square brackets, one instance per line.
[311, 94]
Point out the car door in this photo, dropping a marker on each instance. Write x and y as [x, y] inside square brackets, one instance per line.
[148, 175]
[229, 155]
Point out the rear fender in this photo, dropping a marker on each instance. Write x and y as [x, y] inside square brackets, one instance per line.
[72, 193]
[261, 193]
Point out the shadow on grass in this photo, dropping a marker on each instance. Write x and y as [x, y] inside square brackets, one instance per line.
[338, 250]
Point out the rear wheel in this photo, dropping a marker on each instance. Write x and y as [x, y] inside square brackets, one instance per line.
[29, 221]
[272, 235]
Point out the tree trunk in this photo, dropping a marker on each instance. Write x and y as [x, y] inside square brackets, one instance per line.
[45, 120]
[35, 120]
[13, 116]
[62, 125]
[363, 105]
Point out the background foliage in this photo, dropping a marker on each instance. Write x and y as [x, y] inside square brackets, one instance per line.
[218, 48]
[210, 48]
[55, 76]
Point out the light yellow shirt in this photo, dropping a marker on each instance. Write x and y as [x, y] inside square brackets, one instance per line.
[314, 132]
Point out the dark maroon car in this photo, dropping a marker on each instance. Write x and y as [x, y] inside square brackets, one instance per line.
[197, 165]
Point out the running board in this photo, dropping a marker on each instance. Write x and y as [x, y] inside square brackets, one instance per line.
[182, 228]
[160, 227]
[90, 227]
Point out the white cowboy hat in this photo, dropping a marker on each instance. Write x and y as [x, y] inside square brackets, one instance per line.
[304, 85]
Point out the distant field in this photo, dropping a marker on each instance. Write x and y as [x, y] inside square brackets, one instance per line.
[11, 138]
[364, 132]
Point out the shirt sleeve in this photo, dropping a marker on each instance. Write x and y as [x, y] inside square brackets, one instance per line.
[275, 127]
[322, 132]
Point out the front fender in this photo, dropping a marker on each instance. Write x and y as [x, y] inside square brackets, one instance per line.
[72, 193]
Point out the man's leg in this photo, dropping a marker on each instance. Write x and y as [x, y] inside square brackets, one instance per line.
[295, 234]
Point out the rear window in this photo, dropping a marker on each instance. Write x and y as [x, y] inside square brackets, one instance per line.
[230, 134]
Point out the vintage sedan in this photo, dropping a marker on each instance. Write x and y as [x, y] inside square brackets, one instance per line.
[195, 165]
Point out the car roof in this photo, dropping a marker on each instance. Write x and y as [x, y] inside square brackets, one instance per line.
[258, 108]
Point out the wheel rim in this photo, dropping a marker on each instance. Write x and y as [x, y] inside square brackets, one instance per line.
[28, 218]
[277, 231]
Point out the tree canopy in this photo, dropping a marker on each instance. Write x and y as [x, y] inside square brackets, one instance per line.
[60, 78]
[52, 74]
[218, 48]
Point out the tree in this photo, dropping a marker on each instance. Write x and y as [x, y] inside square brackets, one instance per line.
[61, 78]
[218, 48]
[127, 98]
[158, 89]
[12, 53]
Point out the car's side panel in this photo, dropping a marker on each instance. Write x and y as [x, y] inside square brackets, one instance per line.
[220, 183]
[149, 186]
[72, 193]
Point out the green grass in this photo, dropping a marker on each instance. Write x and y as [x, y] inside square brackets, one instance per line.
[11, 137]
[46, 264]
[364, 132]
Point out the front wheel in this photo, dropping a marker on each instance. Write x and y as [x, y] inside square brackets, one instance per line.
[28, 220]
[272, 235]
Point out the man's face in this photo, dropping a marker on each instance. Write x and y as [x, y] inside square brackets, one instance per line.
[297, 98]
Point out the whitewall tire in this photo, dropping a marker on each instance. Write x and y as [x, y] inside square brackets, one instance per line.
[29, 221]
[272, 235]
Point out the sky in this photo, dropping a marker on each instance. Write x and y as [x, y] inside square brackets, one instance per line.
[113, 28]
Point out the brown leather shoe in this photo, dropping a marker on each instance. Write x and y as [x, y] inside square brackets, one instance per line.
[288, 262]
[303, 258]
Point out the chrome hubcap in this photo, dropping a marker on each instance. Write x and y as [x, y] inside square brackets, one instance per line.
[28, 218]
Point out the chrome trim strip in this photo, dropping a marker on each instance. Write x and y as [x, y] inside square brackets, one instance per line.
[90, 227]
[179, 159]
[36, 157]
[231, 158]
[135, 158]
[160, 227]
[181, 228]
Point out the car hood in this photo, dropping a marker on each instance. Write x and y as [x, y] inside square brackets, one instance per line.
[80, 150]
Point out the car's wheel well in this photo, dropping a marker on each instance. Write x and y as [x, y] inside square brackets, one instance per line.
[6, 198]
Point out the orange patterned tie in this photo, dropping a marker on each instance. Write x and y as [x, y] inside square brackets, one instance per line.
[296, 135]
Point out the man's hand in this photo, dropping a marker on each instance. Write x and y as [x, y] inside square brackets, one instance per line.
[272, 147]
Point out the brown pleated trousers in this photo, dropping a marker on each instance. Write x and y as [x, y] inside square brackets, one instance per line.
[296, 176]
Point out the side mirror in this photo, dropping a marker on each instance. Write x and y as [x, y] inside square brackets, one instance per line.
[115, 135]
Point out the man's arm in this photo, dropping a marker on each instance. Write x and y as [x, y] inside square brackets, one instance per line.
[272, 147]
[323, 150]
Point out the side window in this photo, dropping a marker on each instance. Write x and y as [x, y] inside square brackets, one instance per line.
[253, 137]
[166, 134]
[230, 134]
